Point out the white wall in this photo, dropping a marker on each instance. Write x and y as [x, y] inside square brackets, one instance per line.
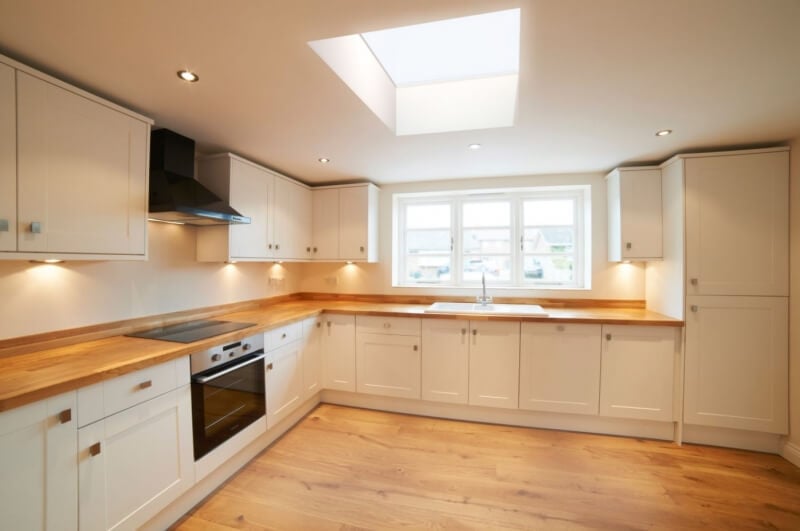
[794, 294]
[38, 298]
[609, 281]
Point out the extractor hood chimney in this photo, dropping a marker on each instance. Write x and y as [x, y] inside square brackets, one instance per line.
[175, 196]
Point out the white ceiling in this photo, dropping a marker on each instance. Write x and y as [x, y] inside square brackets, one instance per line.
[597, 79]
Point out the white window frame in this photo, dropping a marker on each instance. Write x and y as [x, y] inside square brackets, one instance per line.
[580, 194]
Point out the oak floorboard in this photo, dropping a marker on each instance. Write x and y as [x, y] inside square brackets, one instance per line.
[352, 469]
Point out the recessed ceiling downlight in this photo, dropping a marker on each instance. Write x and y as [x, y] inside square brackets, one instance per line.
[189, 76]
[474, 147]
[324, 160]
[664, 132]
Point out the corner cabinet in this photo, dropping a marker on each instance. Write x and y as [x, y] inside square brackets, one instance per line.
[80, 178]
[279, 208]
[38, 465]
[345, 223]
[634, 214]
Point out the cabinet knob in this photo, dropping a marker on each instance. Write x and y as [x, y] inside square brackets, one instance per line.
[216, 357]
[560, 328]
[36, 227]
[3, 225]
[277, 246]
[628, 245]
[694, 308]
[416, 348]
[308, 249]
[269, 366]
[362, 248]
[328, 323]
[463, 331]
[693, 282]
[95, 449]
[283, 336]
[315, 249]
[319, 324]
[387, 325]
[474, 331]
[246, 347]
[608, 337]
[145, 384]
[269, 246]
[65, 416]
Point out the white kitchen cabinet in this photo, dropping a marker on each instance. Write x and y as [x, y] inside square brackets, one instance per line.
[312, 356]
[81, 174]
[445, 360]
[494, 363]
[136, 462]
[8, 159]
[560, 368]
[634, 214]
[284, 381]
[388, 356]
[737, 224]
[38, 465]
[325, 224]
[279, 208]
[348, 229]
[339, 352]
[638, 371]
[736, 363]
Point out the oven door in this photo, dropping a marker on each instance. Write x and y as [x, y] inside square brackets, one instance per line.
[226, 400]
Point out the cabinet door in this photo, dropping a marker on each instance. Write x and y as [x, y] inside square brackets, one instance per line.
[302, 223]
[312, 356]
[282, 203]
[284, 381]
[135, 463]
[339, 352]
[638, 368]
[737, 363]
[494, 364]
[82, 173]
[250, 191]
[445, 360]
[737, 224]
[38, 464]
[8, 160]
[353, 222]
[634, 214]
[560, 368]
[325, 224]
[388, 365]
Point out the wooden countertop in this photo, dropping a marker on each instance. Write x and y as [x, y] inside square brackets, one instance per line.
[41, 373]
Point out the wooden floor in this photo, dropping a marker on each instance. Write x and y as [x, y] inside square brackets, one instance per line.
[345, 468]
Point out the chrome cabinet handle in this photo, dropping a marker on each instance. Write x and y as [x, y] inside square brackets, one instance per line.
[65, 416]
[146, 384]
[36, 227]
[95, 449]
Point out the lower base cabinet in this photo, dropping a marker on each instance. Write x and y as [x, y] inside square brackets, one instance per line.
[560, 368]
[388, 365]
[494, 363]
[284, 381]
[445, 360]
[133, 464]
[312, 356]
[638, 368]
[38, 468]
[339, 352]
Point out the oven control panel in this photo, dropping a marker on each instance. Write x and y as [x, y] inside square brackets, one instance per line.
[221, 354]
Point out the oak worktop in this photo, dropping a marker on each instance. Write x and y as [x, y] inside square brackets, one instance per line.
[28, 376]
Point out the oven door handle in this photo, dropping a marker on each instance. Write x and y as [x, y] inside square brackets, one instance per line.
[210, 377]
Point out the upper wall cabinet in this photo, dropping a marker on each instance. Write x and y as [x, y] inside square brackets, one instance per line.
[345, 222]
[79, 181]
[279, 208]
[737, 224]
[634, 214]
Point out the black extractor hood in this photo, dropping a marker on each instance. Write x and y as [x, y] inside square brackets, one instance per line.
[175, 196]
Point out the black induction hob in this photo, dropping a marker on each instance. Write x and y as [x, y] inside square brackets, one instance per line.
[191, 331]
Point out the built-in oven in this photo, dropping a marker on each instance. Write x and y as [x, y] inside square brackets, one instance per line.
[228, 392]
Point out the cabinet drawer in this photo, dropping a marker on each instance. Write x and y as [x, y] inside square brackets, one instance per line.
[112, 396]
[403, 326]
[283, 336]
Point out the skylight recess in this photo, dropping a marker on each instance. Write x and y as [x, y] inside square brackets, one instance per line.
[449, 75]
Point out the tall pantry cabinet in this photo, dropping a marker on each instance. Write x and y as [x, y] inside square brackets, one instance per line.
[735, 234]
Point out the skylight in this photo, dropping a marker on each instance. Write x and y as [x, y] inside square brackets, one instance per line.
[450, 75]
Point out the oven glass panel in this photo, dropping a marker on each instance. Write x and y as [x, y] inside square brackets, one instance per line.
[226, 405]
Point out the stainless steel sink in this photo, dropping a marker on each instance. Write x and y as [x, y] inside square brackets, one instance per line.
[522, 310]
